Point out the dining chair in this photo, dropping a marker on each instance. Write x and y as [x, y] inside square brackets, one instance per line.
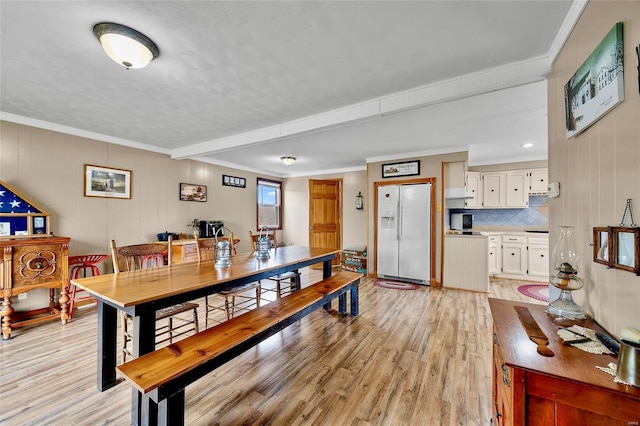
[285, 283]
[205, 248]
[151, 255]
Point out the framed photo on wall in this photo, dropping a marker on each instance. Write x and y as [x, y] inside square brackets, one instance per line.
[193, 192]
[106, 182]
[405, 168]
[597, 86]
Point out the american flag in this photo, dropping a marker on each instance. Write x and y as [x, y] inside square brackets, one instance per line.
[11, 203]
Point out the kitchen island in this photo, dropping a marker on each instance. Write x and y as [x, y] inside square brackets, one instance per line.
[466, 264]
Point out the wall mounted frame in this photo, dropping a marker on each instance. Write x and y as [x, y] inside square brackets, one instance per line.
[625, 245]
[106, 182]
[601, 245]
[618, 247]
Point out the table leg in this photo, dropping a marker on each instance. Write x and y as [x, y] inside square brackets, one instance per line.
[107, 327]
[144, 341]
[326, 273]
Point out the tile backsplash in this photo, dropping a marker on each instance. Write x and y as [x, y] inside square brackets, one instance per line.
[537, 214]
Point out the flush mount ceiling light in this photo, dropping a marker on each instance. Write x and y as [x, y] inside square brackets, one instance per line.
[288, 160]
[526, 145]
[126, 46]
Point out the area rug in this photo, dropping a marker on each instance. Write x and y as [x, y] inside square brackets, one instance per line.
[535, 291]
[395, 285]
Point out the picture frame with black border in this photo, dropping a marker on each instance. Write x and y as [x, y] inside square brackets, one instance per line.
[234, 181]
[404, 168]
[193, 192]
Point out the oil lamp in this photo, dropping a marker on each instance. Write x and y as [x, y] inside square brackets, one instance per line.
[222, 251]
[263, 244]
[565, 278]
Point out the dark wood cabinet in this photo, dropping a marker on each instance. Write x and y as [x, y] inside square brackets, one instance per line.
[566, 389]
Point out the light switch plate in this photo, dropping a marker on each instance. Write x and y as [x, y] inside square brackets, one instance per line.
[553, 189]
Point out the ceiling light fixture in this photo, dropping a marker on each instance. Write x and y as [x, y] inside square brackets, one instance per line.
[126, 46]
[288, 160]
[527, 145]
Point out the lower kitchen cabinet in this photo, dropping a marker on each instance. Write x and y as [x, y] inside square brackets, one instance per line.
[538, 256]
[514, 255]
[563, 390]
[495, 254]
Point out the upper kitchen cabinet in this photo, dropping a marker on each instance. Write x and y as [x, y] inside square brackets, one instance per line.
[494, 189]
[474, 187]
[504, 189]
[517, 195]
[538, 180]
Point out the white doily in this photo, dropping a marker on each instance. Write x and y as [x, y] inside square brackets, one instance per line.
[611, 369]
[593, 346]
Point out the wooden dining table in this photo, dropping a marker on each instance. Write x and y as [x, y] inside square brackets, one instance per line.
[142, 292]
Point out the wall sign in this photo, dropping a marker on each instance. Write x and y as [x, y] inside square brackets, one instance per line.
[238, 182]
[406, 168]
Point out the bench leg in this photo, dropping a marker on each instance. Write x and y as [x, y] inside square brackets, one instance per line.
[171, 410]
[342, 303]
[354, 301]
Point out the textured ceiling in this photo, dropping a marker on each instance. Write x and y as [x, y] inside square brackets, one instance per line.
[226, 68]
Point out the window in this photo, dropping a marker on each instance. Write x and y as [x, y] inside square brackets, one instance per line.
[269, 204]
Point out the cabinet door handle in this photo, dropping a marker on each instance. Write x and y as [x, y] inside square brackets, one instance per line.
[542, 255]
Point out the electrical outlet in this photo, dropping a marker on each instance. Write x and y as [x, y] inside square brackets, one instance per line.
[22, 296]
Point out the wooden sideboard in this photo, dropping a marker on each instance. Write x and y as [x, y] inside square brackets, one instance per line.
[184, 250]
[28, 264]
[566, 389]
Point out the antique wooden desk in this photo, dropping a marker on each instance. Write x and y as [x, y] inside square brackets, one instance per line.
[27, 264]
[140, 293]
[566, 389]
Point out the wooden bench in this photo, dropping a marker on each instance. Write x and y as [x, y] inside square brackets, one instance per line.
[162, 375]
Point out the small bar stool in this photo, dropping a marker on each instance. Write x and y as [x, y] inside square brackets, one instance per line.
[88, 265]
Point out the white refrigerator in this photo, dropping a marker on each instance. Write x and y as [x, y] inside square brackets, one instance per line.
[404, 232]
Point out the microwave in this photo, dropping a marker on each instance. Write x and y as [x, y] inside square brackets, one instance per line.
[461, 221]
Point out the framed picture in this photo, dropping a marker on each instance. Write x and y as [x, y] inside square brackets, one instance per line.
[598, 85]
[237, 182]
[406, 168]
[193, 192]
[106, 182]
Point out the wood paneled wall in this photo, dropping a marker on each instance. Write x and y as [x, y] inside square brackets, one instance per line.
[48, 167]
[599, 168]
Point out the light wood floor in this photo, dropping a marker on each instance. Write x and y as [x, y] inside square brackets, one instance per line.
[410, 358]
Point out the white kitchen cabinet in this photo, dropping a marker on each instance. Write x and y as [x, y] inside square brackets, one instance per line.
[473, 186]
[538, 256]
[517, 195]
[514, 254]
[493, 189]
[495, 254]
[538, 180]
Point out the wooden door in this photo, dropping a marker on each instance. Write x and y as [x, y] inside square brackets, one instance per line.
[325, 214]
